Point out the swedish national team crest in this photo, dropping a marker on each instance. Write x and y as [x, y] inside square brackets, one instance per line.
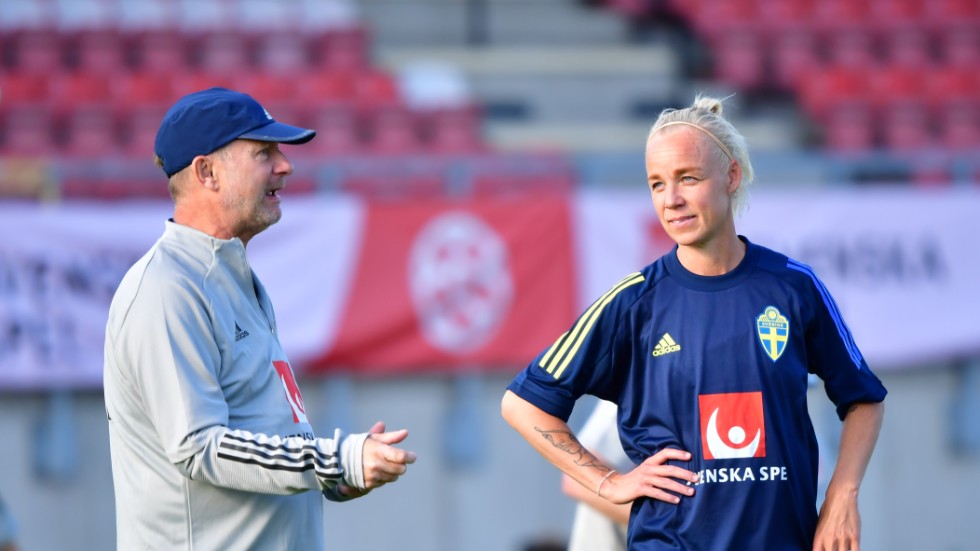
[773, 330]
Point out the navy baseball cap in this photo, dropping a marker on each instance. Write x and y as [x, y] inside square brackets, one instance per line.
[203, 122]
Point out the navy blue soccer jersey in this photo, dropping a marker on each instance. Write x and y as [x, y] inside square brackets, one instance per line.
[716, 366]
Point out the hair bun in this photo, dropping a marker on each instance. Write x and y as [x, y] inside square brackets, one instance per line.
[712, 105]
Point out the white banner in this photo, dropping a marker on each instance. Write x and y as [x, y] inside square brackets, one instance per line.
[60, 265]
[901, 263]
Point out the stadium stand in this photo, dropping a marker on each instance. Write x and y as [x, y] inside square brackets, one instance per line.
[84, 84]
[875, 77]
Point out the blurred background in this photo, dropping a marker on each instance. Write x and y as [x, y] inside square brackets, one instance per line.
[477, 180]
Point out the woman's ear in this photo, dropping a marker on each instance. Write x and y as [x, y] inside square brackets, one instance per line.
[734, 176]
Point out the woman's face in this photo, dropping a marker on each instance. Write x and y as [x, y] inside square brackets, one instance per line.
[692, 182]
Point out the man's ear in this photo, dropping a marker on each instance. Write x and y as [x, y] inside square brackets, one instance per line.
[203, 172]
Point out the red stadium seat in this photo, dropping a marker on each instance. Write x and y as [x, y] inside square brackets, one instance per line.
[849, 127]
[19, 88]
[832, 14]
[138, 127]
[282, 52]
[77, 88]
[327, 87]
[160, 50]
[342, 49]
[90, 131]
[714, 17]
[959, 44]
[222, 53]
[824, 87]
[794, 50]
[738, 49]
[453, 130]
[375, 89]
[907, 44]
[896, 12]
[144, 87]
[906, 127]
[37, 51]
[393, 129]
[27, 131]
[338, 131]
[958, 126]
[778, 13]
[102, 51]
[851, 45]
[939, 13]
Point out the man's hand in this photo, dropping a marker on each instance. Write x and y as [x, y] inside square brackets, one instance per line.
[382, 462]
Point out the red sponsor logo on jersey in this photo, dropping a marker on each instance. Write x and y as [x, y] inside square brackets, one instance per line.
[732, 425]
[293, 396]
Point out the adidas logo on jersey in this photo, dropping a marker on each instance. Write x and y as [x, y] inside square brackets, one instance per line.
[666, 346]
[239, 333]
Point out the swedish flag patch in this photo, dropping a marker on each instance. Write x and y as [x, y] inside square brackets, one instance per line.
[773, 330]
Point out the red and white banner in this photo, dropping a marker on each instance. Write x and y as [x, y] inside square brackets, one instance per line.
[413, 287]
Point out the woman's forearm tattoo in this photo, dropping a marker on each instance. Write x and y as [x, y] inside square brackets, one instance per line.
[565, 441]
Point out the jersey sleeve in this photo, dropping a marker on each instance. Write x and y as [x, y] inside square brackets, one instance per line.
[582, 360]
[168, 341]
[832, 353]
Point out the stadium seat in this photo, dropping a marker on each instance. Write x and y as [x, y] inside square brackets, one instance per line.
[338, 130]
[102, 51]
[392, 129]
[160, 50]
[20, 88]
[221, 53]
[849, 127]
[889, 13]
[27, 131]
[738, 51]
[907, 44]
[958, 126]
[906, 126]
[713, 19]
[959, 43]
[779, 13]
[939, 13]
[90, 131]
[826, 86]
[143, 87]
[453, 130]
[78, 88]
[833, 14]
[851, 45]
[327, 87]
[341, 49]
[793, 51]
[282, 52]
[138, 129]
[185, 83]
[374, 89]
[37, 51]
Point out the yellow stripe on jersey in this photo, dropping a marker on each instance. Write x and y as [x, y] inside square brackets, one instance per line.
[551, 350]
[571, 341]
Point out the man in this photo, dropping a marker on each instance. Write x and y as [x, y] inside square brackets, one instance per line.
[211, 447]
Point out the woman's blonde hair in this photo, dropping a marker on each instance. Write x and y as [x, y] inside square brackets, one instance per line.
[705, 115]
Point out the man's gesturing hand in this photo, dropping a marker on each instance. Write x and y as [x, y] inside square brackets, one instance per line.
[384, 463]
